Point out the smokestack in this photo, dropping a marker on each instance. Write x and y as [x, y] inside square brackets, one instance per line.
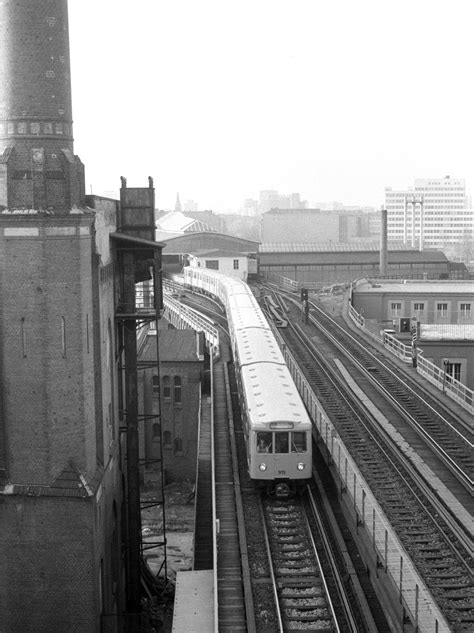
[383, 243]
[38, 169]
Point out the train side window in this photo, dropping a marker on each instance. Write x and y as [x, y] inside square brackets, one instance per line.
[281, 442]
[298, 442]
[264, 442]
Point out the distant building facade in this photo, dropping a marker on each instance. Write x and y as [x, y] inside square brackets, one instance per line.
[271, 199]
[434, 213]
[320, 264]
[313, 226]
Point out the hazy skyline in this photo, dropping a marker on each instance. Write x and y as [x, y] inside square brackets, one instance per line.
[220, 99]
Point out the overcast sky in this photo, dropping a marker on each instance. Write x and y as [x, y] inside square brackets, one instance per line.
[219, 99]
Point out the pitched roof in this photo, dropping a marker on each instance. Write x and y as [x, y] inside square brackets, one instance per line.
[178, 222]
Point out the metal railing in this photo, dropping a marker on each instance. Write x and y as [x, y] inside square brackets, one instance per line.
[453, 388]
[182, 316]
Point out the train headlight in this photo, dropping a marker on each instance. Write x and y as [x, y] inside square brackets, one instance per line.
[263, 466]
[300, 466]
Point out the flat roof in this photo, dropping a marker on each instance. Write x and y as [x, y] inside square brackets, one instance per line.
[446, 332]
[418, 287]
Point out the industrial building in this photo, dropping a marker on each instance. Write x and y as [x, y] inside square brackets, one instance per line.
[442, 310]
[317, 264]
[69, 501]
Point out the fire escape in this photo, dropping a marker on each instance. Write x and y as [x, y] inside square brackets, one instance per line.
[137, 266]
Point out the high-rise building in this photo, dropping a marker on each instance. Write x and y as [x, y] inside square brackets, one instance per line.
[432, 214]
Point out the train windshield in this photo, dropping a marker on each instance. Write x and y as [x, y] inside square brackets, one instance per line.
[281, 442]
[264, 442]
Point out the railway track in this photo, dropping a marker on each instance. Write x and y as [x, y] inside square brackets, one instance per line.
[448, 436]
[433, 542]
[304, 595]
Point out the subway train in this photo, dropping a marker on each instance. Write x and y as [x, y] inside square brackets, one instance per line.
[277, 427]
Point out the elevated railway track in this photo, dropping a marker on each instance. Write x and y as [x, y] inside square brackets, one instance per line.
[436, 537]
[432, 519]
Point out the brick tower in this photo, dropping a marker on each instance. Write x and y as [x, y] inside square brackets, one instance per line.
[60, 473]
[38, 168]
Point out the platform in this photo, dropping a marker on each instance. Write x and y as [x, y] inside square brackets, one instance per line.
[194, 602]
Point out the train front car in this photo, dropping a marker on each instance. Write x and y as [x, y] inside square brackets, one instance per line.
[278, 429]
[276, 425]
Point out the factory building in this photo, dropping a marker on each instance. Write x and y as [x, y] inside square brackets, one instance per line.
[443, 311]
[318, 264]
[68, 266]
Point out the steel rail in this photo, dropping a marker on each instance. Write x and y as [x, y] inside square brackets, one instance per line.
[347, 397]
[333, 564]
[462, 476]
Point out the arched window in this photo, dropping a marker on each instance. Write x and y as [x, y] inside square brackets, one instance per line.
[167, 439]
[156, 385]
[156, 430]
[166, 387]
[177, 389]
[178, 445]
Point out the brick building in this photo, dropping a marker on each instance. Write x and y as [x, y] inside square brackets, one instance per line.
[61, 498]
[444, 311]
[60, 490]
[178, 385]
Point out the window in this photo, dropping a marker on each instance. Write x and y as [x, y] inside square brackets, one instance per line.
[212, 263]
[298, 442]
[281, 442]
[177, 389]
[396, 309]
[156, 430]
[465, 311]
[156, 385]
[236, 264]
[418, 308]
[167, 439]
[442, 310]
[166, 387]
[178, 445]
[453, 370]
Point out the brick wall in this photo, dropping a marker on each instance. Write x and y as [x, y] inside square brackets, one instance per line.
[44, 543]
[179, 420]
[35, 106]
[48, 357]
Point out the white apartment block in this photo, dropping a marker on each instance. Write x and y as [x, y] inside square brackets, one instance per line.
[432, 214]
